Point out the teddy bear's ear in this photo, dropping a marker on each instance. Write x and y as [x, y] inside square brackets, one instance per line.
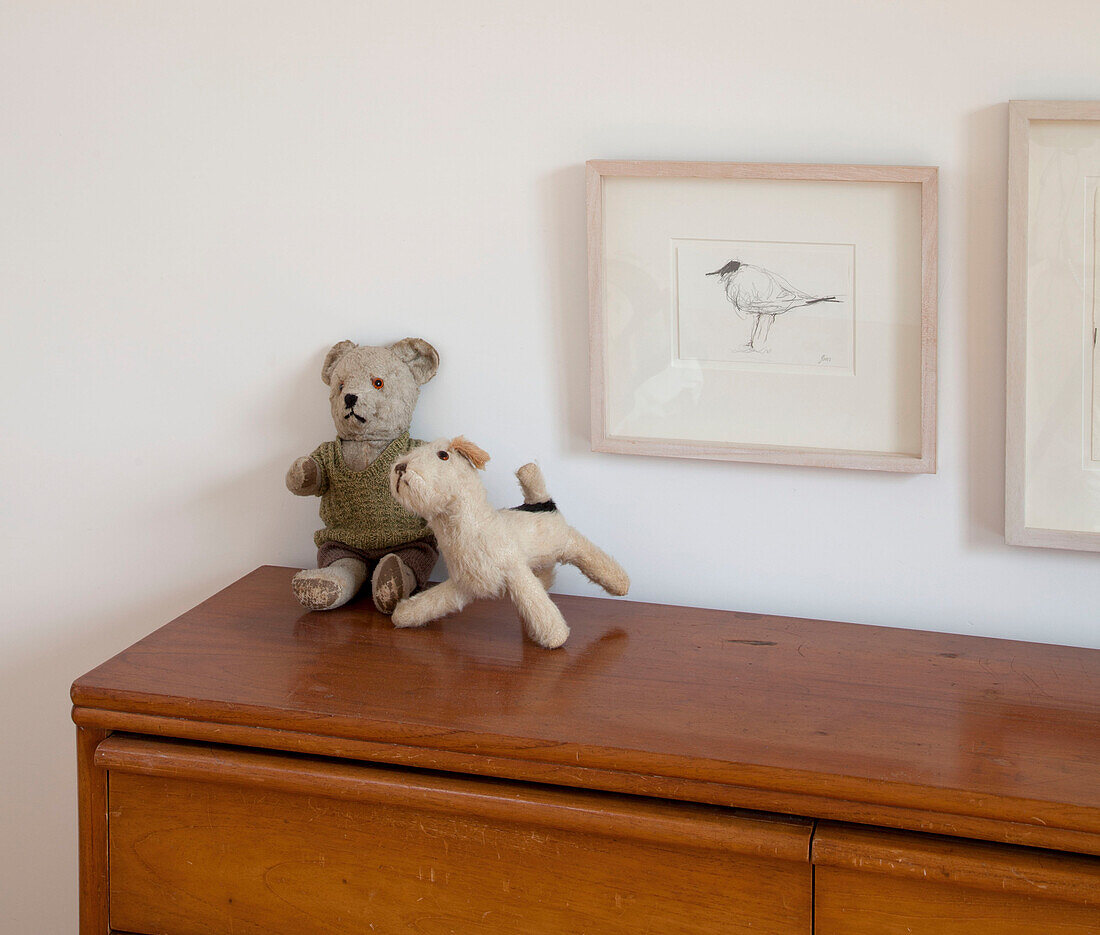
[332, 358]
[420, 356]
[474, 454]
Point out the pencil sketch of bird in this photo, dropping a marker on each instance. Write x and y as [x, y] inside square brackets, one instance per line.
[753, 290]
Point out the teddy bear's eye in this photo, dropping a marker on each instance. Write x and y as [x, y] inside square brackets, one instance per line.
[341, 387]
[443, 456]
[378, 383]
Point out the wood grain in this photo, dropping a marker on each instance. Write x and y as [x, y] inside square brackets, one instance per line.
[925, 176]
[916, 726]
[869, 881]
[847, 902]
[632, 783]
[92, 825]
[198, 858]
[656, 822]
[1018, 871]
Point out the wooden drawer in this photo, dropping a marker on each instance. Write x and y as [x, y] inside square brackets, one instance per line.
[206, 839]
[872, 881]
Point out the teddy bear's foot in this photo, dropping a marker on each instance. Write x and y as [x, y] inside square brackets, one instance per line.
[391, 582]
[329, 587]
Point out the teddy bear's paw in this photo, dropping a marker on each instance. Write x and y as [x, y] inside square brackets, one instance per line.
[318, 589]
[303, 477]
[391, 583]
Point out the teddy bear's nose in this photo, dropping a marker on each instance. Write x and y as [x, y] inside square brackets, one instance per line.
[350, 399]
[400, 468]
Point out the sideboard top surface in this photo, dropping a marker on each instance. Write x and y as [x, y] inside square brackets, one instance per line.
[965, 725]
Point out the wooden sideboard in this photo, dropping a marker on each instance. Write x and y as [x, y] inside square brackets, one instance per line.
[253, 768]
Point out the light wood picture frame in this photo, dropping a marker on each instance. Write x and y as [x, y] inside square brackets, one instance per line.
[693, 362]
[1052, 425]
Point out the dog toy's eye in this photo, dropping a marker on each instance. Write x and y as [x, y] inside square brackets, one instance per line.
[377, 383]
[443, 456]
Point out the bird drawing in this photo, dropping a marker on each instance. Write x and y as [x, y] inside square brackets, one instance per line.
[753, 290]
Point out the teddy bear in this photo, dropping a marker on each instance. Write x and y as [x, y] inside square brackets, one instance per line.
[372, 394]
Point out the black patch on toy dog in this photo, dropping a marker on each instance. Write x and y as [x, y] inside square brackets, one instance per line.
[546, 506]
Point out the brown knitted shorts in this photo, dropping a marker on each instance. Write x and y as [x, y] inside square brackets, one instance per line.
[420, 555]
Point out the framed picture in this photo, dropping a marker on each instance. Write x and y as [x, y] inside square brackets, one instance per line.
[764, 312]
[1052, 464]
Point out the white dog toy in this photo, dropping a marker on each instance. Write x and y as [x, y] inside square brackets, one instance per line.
[491, 552]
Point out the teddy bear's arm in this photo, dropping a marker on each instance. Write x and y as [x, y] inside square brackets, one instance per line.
[304, 477]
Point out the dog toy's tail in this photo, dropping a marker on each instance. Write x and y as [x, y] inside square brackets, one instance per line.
[533, 483]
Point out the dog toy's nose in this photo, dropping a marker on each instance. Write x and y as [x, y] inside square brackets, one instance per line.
[350, 399]
[400, 468]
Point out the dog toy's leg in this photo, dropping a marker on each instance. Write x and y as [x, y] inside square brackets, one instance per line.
[391, 582]
[595, 564]
[541, 618]
[423, 608]
[545, 574]
[331, 586]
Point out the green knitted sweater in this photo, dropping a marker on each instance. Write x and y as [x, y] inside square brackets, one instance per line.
[357, 507]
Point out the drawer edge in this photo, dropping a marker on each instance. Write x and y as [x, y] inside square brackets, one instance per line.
[699, 827]
[1002, 868]
[1061, 833]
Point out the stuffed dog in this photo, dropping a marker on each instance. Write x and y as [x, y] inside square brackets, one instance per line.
[491, 552]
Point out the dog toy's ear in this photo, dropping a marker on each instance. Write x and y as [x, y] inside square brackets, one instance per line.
[332, 358]
[471, 452]
[420, 356]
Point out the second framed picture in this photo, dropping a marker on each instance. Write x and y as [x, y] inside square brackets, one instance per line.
[764, 312]
[1052, 488]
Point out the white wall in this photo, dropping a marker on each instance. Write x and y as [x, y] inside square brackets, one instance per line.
[197, 198]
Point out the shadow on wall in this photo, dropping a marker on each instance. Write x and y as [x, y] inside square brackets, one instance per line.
[983, 357]
[562, 194]
[279, 525]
